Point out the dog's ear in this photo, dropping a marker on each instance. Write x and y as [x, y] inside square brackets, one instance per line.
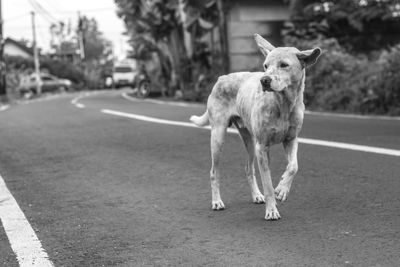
[263, 44]
[309, 57]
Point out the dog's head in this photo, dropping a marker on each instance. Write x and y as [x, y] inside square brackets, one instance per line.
[284, 66]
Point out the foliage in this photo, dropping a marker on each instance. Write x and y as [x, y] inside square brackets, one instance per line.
[344, 82]
[18, 67]
[98, 60]
[96, 46]
[171, 30]
[358, 25]
[147, 23]
[153, 28]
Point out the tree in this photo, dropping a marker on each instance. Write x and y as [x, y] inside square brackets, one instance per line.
[98, 52]
[172, 29]
[97, 49]
[358, 25]
[153, 27]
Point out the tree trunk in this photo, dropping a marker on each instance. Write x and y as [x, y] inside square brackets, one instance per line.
[177, 51]
[223, 35]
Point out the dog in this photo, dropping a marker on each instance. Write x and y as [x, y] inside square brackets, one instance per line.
[267, 108]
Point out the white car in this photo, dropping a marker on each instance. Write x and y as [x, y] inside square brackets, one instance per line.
[125, 73]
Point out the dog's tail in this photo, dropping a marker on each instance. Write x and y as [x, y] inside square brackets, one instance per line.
[200, 121]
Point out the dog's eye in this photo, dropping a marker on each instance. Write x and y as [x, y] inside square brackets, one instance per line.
[283, 65]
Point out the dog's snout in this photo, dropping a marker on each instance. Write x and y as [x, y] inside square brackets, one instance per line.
[266, 83]
[266, 80]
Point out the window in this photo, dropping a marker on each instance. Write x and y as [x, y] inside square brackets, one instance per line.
[47, 78]
[123, 69]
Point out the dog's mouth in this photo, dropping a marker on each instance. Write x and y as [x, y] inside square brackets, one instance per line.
[267, 89]
[266, 84]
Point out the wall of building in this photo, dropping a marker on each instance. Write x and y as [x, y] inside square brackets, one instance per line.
[246, 18]
[13, 50]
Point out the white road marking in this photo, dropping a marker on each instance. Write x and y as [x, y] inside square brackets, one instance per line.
[79, 105]
[160, 102]
[21, 236]
[352, 116]
[347, 146]
[75, 100]
[4, 107]
[328, 114]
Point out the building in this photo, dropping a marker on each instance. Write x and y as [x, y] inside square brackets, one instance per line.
[15, 48]
[66, 51]
[240, 20]
[244, 18]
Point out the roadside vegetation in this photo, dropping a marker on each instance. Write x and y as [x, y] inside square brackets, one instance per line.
[183, 45]
[88, 73]
[359, 69]
[357, 73]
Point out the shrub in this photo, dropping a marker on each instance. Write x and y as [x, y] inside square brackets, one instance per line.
[63, 70]
[18, 67]
[346, 82]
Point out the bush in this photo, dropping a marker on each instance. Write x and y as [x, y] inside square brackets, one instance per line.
[63, 70]
[19, 67]
[345, 82]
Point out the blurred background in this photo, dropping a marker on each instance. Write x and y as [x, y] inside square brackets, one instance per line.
[184, 45]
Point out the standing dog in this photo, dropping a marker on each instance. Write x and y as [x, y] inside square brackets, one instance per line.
[267, 108]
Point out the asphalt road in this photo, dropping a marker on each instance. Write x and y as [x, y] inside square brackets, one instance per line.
[102, 190]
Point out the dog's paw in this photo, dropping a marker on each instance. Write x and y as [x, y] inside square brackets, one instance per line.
[258, 199]
[272, 214]
[282, 192]
[218, 205]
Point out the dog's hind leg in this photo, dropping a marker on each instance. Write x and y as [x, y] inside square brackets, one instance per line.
[217, 140]
[249, 169]
[262, 152]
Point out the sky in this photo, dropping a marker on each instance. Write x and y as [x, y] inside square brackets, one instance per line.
[17, 20]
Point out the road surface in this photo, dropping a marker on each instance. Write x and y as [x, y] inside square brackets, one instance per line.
[105, 190]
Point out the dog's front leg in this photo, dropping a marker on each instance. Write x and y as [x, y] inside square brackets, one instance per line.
[262, 152]
[283, 188]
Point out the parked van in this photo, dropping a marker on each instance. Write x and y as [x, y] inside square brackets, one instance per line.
[125, 72]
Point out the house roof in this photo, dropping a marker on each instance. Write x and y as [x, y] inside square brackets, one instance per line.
[21, 46]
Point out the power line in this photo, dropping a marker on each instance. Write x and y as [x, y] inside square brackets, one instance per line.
[53, 19]
[94, 10]
[43, 12]
[53, 5]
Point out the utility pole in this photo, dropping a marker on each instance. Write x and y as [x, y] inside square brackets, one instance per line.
[3, 85]
[36, 57]
[80, 36]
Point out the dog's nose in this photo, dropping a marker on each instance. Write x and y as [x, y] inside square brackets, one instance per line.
[266, 83]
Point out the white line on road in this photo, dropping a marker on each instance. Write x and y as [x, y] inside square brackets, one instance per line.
[317, 113]
[4, 107]
[171, 103]
[21, 236]
[370, 149]
[76, 99]
[352, 116]
[79, 105]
